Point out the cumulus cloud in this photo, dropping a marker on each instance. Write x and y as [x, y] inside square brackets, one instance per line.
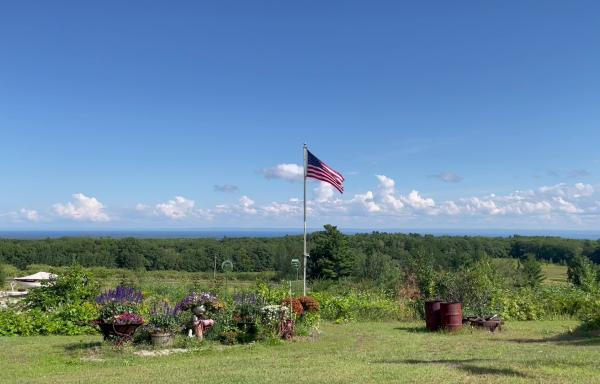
[247, 205]
[387, 193]
[228, 188]
[448, 177]
[29, 214]
[82, 208]
[23, 215]
[415, 200]
[176, 209]
[288, 172]
[324, 192]
[385, 203]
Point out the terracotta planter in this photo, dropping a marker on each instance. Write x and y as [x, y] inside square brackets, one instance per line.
[160, 339]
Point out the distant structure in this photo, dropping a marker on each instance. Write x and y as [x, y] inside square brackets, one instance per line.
[35, 280]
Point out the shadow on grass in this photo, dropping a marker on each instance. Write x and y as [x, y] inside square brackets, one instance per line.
[580, 336]
[466, 365]
[82, 346]
[413, 329]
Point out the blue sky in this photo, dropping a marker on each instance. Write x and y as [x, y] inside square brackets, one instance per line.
[440, 114]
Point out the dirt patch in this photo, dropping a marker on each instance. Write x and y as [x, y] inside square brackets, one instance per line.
[160, 352]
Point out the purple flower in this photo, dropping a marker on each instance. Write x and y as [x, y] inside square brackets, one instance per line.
[194, 299]
[121, 294]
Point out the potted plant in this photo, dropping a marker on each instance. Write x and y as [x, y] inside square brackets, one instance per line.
[162, 325]
[199, 303]
[119, 313]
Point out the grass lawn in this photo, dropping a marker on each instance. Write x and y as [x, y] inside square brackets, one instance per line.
[352, 353]
[555, 274]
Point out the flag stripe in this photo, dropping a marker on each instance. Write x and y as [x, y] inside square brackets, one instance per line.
[318, 173]
[336, 186]
[332, 175]
[339, 175]
[319, 170]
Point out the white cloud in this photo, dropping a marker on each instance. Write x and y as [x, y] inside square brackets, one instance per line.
[176, 209]
[555, 205]
[566, 206]
[22, 215]
[29, 214]
[82, 208]
[324, 192]
[247, 205]
[387, 193]
[366, 201]
[289, 172]
[141, 207]
[291, 208]
[415, 200]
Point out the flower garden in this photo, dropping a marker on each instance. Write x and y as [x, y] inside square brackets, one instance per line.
[125, 314]
[79, 323]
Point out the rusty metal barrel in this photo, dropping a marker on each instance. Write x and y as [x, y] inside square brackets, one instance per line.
[433, 320]
[451, 314]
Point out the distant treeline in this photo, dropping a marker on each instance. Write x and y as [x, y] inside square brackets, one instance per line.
[275, 254]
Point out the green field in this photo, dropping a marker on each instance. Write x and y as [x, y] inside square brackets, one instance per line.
[384, 352]
[555, 274]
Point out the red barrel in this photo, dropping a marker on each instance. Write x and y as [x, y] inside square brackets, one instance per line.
[451, 314]
[433, 320]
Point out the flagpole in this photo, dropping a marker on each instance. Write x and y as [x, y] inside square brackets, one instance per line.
[304, 200]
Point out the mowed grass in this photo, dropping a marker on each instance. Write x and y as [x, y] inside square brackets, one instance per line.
[555, 274]
[392, 352]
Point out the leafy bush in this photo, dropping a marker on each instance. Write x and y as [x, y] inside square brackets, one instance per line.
[296, 305]
[543, 303]
[72, 320]
[531, 272]
[583, 273]
[61, 306]
[74, 286]
[363, 306]
[472, 286]
[306, 324]
[2, 276]
[309, 304]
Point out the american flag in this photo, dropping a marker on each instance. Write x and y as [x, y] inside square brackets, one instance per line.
[321, 171]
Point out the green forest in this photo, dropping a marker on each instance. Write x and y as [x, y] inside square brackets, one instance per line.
[333, 255]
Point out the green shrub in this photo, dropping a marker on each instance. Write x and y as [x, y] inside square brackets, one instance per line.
[583, 273]
[543, 303]
[71, 320]
[2, 276]
[74, 286]
[366, 306]
[472, 286]
[531, 272]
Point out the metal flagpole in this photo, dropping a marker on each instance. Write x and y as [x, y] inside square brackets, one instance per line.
[305, 251]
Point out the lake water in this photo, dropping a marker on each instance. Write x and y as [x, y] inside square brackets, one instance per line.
[221, 233]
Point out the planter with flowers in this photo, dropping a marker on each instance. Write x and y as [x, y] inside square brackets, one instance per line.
[119, 313]
[162, 325]
[200, 304]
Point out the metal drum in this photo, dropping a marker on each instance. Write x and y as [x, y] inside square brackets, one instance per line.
[433, 320]
[451, 314]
